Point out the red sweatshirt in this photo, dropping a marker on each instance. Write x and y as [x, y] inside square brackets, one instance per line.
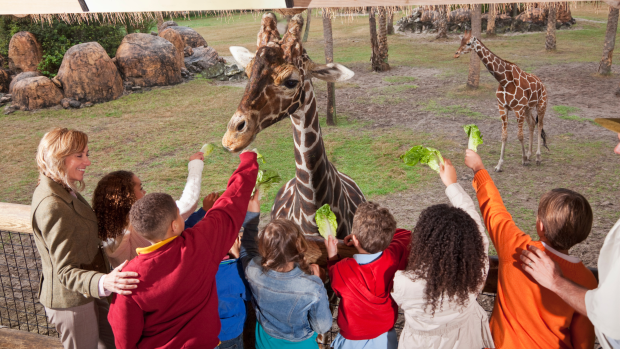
[366, 308]
[175, 304]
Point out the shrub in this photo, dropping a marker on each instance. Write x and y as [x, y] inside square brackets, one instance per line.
[58, 37]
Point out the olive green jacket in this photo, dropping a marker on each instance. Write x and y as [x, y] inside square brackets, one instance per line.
[65, 232]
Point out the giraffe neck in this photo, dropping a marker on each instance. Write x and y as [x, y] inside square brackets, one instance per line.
[495, 65]
[312, 169]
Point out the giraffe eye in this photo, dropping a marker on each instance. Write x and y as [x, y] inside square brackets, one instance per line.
[469, 44]
[291, 83]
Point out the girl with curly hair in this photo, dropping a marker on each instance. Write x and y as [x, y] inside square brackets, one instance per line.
[114, 196]
[446, 271]
[289, 297]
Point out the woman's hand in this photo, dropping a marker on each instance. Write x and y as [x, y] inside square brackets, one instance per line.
[120, 282]
[541, 267]
[447, 172]
[331, 244]
[318, 271]
[473, 161]
[197, 156]
[210, 200]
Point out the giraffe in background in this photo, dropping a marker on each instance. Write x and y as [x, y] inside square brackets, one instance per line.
[518, 91]
[280, 85]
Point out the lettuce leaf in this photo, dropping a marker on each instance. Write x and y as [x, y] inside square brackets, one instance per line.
[419, 154]
[475, 137]
[326, 221]
[264, 181]
[207, 149]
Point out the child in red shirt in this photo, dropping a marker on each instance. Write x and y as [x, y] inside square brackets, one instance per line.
[367, 313]
[176, 305]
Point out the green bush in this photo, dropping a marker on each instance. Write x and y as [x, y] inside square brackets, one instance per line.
[58, 37]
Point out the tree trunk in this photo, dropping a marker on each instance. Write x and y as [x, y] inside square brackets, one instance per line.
[160, 20]
[390, 23]
[307, 30]
[374, 43]
[442, 22]
[610, 39]
[473, 80]
[382, 38]
[491, 20]
[551, 19]
[329, 58]
[515, 10]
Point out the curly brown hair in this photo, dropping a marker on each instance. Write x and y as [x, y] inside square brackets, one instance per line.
[447, 252]
[112, 201]
[282, 242]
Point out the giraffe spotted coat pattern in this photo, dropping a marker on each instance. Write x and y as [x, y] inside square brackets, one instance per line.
[280, 85]
[518, 91]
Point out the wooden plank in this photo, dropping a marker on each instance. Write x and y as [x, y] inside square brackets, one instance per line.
[15, 217]
[366, 3]
[25, 340]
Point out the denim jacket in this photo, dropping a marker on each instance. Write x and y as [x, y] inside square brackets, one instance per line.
[290, 306]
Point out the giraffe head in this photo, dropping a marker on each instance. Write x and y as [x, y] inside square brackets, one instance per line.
[467, 44]
[279, 85]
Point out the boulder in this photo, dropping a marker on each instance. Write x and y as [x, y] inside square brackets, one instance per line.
[5, 80]
[25, 52]
[167, 24]
[175, 38]
[190, 36]
[35, 93]
[203, 58]
[147, 60]
[187, 51]
[87, 74]
[22, 76]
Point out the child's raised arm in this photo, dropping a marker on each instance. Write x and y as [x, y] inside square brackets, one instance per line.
[249, 247]
[502, 229]
[189, 198]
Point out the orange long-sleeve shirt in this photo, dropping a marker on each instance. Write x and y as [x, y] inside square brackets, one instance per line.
[527, 315]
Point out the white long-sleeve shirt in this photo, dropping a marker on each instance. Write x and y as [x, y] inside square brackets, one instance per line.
[451, 326]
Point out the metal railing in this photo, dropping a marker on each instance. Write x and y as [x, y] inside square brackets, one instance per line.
[20, 272]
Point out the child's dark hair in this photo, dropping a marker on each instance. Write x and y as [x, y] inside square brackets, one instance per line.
[566, 216]
[282, 242]
[373, 226]
[151, 216]
[112, 201]
[447, 252]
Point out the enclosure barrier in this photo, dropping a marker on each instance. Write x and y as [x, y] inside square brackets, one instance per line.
[20, 273]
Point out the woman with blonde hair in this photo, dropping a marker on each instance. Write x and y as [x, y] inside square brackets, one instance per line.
[76, 276]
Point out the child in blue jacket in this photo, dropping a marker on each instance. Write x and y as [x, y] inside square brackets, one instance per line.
[232, 289]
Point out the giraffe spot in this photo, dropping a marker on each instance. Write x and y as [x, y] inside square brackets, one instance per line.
[310, 139]
[302, 176]
[312, 160]
[293, 108]
[305, 192]
[310, 113]
[298, 159]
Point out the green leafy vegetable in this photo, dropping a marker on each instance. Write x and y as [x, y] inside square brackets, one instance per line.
[326, 221]
[264, 181]
[207, 149]
[259, 156]
[419, 154]
[475, 137]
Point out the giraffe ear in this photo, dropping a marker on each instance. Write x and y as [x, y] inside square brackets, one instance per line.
[242, 55]
[331, 72]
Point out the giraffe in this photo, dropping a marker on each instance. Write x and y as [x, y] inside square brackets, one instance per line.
[280, 85]
[269, 30]
[518, 91]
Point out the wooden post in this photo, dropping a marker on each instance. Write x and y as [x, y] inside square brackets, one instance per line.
[329, 58]
[473, 80]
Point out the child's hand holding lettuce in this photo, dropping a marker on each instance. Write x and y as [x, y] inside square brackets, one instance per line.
[419, 154]
[326, 221]
[475, 137]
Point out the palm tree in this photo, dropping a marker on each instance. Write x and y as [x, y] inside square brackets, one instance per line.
[551, 19]
[491, 20]
[442, 22]
[329, 58]
[307, 30]
[390, 23]
[376, 60]
[610, 39]
[473, 80]
[382, 37]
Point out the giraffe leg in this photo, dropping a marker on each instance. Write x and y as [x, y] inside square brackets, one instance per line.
[504, 115]
[520, 119]
[532, 124]
[542, 107]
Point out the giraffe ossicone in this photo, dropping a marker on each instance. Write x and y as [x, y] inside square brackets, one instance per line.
[279, 86]
[518, 91]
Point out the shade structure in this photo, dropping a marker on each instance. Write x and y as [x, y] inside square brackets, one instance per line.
[24, 7]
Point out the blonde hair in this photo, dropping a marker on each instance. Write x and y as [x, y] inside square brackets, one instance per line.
[54, 148]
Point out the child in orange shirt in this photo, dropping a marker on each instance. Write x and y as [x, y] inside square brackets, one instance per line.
[527, 315]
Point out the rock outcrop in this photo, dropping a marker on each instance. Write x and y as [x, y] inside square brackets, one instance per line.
[87, 74]
[146, 60]
[37, 92]
[190, 36]
[25, 52]
[5, 80]
[201, 59]
[167, 24]
[175, 38]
